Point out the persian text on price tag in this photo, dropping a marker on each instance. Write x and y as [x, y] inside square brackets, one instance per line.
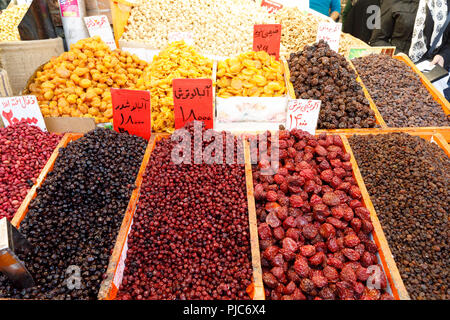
[303, 114]
[193, 100]
[330, 32]
[267, 37]
[132, 112]
[15, 109]
[188, 37]
[99, 26]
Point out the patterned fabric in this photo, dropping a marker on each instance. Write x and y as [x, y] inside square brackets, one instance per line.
[438, 10]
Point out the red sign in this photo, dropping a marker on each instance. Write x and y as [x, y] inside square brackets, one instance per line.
[193, 100]
[271, 5]
[267, 37]
[131, 112]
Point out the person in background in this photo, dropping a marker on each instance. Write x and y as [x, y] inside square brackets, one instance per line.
[414, 28]
[355, 18]
[331, 8]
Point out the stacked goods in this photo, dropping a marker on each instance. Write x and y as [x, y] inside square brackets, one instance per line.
[400, 96]
[190, 232]
[219, 27]
[77, 83]
[314, 231]
[73, 221]
[300, 29]
[319, 73]
[10, 19]
[408, 182]
[177, 60]
[24, 151]
[251, 74]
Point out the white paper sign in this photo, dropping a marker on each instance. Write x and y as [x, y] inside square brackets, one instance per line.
[99, 26]
[330, 32]
[188, 37]
[303, 114]
[15, 109]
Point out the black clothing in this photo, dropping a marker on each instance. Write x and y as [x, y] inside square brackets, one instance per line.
[356, 20]
[397, 25]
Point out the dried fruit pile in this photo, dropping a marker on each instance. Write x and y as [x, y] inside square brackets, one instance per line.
[10, 19]
[313, 228]
[398, 93]
[319, 73]
[75, 217]
[251, 74]
[76, 84]
[190, 235]
[408, 181]
[24, 151]
[177, 60]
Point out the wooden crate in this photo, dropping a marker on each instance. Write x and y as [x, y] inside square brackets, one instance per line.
[68, 137]
[115, 270]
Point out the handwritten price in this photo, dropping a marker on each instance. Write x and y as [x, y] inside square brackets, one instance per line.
[96, 22]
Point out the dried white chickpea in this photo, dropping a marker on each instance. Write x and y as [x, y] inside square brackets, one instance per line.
[10, 19]
[219, 27]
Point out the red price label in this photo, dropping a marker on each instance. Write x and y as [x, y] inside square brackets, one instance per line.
[193, 100]
[132, 112]
[267, 37]
[271, 5]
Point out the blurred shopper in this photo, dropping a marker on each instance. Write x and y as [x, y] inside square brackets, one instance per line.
[331, 8]
[418, 28]
[358, 18]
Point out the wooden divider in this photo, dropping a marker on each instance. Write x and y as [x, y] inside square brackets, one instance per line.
[258, 287]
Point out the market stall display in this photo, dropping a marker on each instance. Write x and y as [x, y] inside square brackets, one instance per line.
[24, 151]
[219, 27]
[313, 226]
[190, 234]
[9, 21]
[398, 93]
[73, 221]
[251, 74]
[299, 29]
[76, 84]
[319, 73]
[177, 60]
[408, 181]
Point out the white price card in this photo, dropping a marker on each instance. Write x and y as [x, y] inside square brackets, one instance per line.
[303, 114]
[188, 37]
[330, 32]
[15, 109]
[99, 26]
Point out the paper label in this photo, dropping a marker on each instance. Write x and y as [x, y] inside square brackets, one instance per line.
[99, 26]
[132, 112]
[272, 6]
[330, 32]
[188, 37]
[303, 114]
[193, 100]
[15, 109]
[267, 37]
[69, 8]
[362, 52]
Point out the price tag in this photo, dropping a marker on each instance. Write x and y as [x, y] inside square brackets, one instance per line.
[15, 109]
[193, 100]
[303, 114]
[132, 112]
[99, 26]
[188, 37]
[267, 37]
[272, 6]
[330, 32]
[361, 52]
